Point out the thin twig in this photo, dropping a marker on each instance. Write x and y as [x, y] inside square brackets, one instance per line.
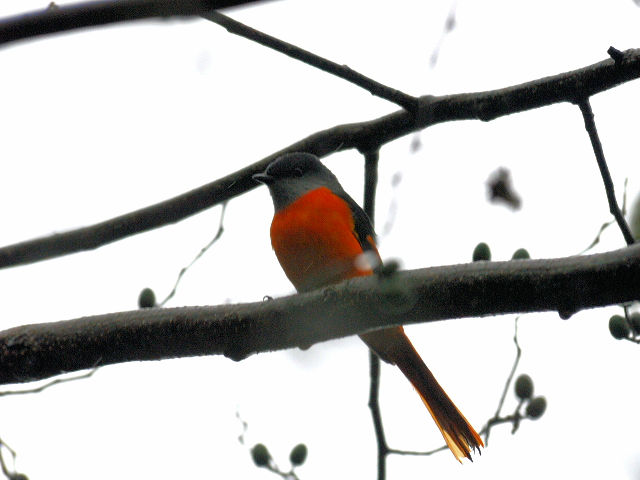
[57, 381]
[606, 225]
[514, 419]
[364, 136]
[376, 415]
[590, 125]
[596, 240]
[418, 453]
[3, 465]
[371, 160]
[408, 102]
[496, 417]
[92, 14]
[202, 251]
[15, 475]
[495, 420]
[290, 475]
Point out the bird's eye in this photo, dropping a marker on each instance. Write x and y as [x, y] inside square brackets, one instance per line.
[298, 172]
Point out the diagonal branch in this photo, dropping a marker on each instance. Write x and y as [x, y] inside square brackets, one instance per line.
[566, 285]
[406, 101]
[590, 126]
[365, 136]
[91, 14]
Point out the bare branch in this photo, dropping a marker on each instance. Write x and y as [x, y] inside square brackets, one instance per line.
[590, 125]
[406, 101]
[606, 225]
[371, 160]
[376, 415]
[155, 216]
[364, 136]
[421, 453]
[3, 465]
[566, 285]
[50, 384]
[91, 14]
[496, 416]
[202, 251]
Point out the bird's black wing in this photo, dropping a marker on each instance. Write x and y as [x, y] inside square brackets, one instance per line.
[362, 225]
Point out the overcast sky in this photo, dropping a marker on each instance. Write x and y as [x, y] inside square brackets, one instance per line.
[101, 122]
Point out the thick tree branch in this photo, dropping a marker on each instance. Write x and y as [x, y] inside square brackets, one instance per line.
[364, 136]
[92, 14]
[155, 216]
[483, 288]
[406, 101]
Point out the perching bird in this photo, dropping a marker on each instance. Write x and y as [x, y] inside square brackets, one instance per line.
[319, 234]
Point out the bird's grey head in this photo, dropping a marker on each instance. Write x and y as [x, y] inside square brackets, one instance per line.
[292, 175]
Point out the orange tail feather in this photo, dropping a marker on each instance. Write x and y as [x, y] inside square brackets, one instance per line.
[393, 346]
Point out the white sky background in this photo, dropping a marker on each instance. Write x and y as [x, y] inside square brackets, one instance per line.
[101, 122]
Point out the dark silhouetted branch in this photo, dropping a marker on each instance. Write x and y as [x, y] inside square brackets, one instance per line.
[406, 101]
[566, 285]
[590, 125]
[364, 136]
[376, 415]
[92, 14]
[371, 160]
[145, 219]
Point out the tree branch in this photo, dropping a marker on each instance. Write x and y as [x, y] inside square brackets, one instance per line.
[371, 160]
[567, 285]
[590, 126]
[93, 14]
[364, 136]
[406, 101]
[496, 416]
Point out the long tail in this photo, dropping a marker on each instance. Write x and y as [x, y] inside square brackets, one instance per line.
[393, 346]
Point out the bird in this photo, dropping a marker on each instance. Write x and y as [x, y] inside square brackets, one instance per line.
[320, 235]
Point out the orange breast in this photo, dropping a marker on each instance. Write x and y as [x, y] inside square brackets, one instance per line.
[315, 242]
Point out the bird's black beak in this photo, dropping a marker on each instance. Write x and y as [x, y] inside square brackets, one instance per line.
[263, 178]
